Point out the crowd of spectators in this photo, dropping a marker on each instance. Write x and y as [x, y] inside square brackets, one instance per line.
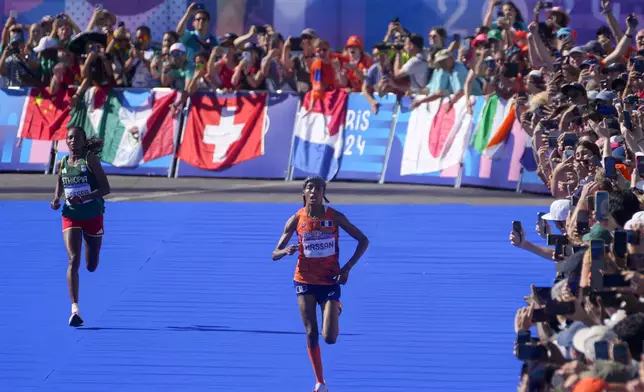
[582, 105]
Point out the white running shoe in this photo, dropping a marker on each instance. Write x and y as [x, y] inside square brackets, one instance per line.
[75, 320]
[319, 387]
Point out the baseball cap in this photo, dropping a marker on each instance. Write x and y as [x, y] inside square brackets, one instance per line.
[563, 32]
[558, 210]
[46, 43]
[597, 232]
[567, 89]
[606, 95]
[179, 47]
[577, 49]
[309, 32]
[494, 34]
[637, 218]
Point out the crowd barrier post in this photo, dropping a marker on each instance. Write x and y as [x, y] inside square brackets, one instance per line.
[52, 158]
[392, 135]
[520, 182]
[174, 166]
[182, 129]
[289, 171]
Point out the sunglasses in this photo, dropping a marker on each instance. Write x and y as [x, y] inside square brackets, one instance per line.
[177, 53]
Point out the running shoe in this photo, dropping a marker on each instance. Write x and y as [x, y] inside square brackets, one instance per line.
[319, 387]
[75, 320]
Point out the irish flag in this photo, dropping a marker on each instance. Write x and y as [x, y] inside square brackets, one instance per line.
[494, 126]
[137, 127]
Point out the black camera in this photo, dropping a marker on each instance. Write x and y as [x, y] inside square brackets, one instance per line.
[138, 45]
[398, 45]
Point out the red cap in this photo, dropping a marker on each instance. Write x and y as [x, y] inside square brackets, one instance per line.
[354, 40]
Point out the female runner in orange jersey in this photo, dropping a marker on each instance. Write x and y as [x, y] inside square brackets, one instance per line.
[318, 275]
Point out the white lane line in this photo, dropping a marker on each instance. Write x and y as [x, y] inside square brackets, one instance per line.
[158, 195]
[154, 195]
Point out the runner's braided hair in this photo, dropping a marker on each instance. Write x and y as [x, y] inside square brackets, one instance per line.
[317, 179]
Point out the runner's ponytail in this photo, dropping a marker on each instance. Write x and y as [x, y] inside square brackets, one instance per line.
[94, 145]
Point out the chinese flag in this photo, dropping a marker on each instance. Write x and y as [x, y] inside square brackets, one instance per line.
[45, 116]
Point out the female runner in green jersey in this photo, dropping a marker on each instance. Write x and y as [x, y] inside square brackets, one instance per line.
[82, 180]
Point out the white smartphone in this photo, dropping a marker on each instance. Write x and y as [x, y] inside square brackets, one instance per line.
[13, 14]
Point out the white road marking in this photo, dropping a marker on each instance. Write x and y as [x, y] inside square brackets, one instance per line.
[154, 195]
[158, 195]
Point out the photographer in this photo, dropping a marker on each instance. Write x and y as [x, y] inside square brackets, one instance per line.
[138, 65]
[378, 79]
[298, 67]
[175, 73]
[97, 69]
[14, 69]
[273, 70]
[416, 70]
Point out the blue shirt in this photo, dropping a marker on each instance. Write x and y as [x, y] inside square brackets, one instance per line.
[195, 44]
[452, 81]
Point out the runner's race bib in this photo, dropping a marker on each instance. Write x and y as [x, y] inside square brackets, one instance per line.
[319, 248]
[77, 190]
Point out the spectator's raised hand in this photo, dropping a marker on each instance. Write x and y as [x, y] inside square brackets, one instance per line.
[518, 238]
[523, 318]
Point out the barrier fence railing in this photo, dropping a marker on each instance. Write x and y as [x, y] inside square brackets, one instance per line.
[254, 135]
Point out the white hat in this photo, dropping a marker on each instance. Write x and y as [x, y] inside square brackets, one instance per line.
[558, 210]
[178, 47]
[46, 43]
[585, 339]
[442, 55]
[638, 217]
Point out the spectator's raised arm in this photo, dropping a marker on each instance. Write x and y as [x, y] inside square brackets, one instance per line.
[190, 12]
[613, 24]
[489, 15]
[241, 40]
[625, 42]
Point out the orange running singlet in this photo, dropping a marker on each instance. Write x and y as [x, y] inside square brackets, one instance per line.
[318, 249]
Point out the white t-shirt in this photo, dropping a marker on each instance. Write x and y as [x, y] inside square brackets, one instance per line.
[417, 70]
[142, 76]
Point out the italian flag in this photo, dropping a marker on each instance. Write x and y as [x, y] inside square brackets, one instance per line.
[137, 126]
[494, 126]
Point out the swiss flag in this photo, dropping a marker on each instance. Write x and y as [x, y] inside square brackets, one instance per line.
[44, 114]
[223, 131]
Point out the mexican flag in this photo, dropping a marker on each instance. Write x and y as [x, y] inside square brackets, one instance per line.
[137, 127]
[88, 111]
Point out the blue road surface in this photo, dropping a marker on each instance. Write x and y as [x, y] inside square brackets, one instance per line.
[186, 297]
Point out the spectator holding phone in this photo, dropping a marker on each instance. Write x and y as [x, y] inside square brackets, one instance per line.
[273, 70]
[248, 75]
[358, 63]
[298, 66]
[416, 70]
[14, 69]
[379, 77]
[139, 62]
[200, 39]
[222, 64]
[176, 73]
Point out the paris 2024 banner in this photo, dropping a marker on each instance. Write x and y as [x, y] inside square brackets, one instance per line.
[334, 20]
